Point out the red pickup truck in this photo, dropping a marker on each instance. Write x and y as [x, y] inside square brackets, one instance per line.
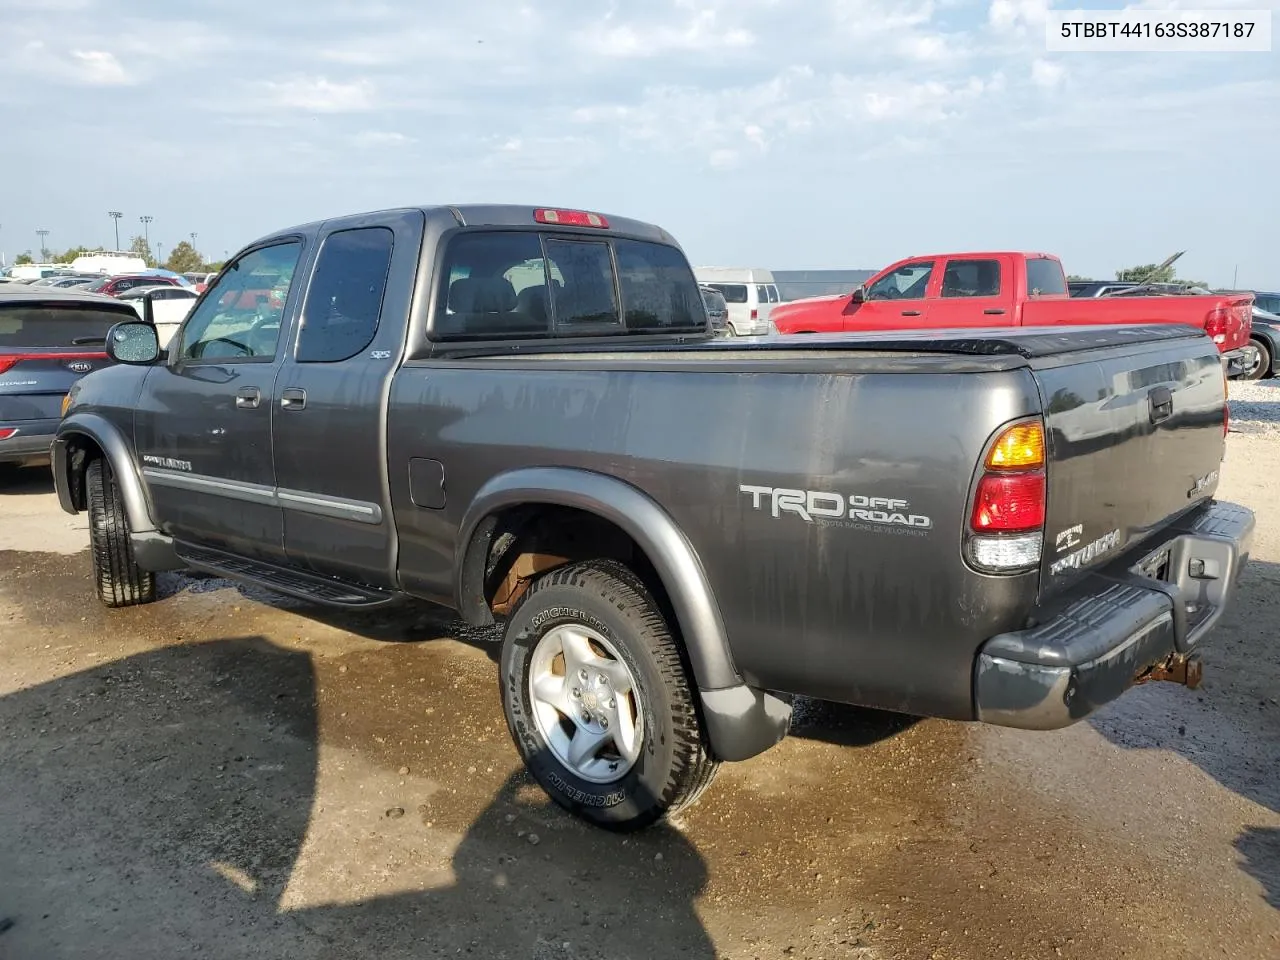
[952, 290]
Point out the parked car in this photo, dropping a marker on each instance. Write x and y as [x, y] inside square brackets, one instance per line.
[1097, 288]
[1264, 333]
[750, 295]
[717, 310]
[162, 305]
[49, 339]
[1010, 290]
[116, 285]
[677, 532]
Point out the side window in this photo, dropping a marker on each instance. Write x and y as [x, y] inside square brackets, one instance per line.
[479, 296]
[239, 319]
[732, 292]
[773, 294]
[659, 293]
[1045, 276]
[340, 316]
[971, 278]
[587, 300]
[908, 282]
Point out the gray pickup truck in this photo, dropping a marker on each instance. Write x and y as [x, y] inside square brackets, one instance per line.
[522, 413]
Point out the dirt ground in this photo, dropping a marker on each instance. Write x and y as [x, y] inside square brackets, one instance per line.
[226, 774]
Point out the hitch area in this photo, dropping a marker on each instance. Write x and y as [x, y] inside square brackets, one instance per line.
[1188, 671]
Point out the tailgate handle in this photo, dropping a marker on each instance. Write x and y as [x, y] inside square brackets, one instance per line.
[1161, 399]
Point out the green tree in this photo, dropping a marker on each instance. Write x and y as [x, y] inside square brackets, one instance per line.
[1154, 273]
[74, 252]
[184, 258]
[24, 257]
[1076, 278]
[140, 246]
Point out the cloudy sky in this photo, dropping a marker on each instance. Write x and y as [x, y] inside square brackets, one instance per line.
[806, 133]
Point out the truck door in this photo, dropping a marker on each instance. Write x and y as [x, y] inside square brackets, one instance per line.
[895, 301]
[329, 420]
[203, 419]
[974, 292]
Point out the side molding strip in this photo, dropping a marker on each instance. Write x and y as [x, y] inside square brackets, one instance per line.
[302, 501]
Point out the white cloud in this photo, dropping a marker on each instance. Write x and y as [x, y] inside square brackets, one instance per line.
[380, 138]
[649, 37]
[319, 94]
[1017, 14]
[100, 68]
[1047, 74]
[723, 159]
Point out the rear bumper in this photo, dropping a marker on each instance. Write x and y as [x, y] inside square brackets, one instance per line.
[1122, 627]
[1238, 362]
[31, 442]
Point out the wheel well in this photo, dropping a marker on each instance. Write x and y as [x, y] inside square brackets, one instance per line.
[81, 451]
[513, 546]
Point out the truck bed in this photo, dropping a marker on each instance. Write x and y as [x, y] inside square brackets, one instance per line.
[831, 609]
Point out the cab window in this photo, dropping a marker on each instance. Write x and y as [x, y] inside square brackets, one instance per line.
[240, 316]
[908, 282]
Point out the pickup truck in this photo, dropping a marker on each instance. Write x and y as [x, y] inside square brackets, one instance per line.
[948, 290]
[523, 414]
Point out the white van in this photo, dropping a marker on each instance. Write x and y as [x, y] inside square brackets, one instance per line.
[750, 294]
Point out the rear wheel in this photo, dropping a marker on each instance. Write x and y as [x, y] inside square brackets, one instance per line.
[1263, 368]
[598, 701]
[119, 580]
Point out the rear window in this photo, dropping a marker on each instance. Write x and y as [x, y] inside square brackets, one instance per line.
[30, 326]
[520, 284]
[1045, 276]
[732, 292]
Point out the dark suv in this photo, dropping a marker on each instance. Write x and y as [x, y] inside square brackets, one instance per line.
[49, 339]
[717, 309]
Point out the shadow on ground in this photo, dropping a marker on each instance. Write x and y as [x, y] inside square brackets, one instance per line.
[158, 805]
[29, 481]
[1230, 726]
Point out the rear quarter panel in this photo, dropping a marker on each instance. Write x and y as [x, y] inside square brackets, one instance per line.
[839, 609]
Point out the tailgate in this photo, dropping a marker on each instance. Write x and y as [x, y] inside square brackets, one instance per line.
[1135, 436]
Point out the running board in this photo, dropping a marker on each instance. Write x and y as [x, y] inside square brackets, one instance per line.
[328, 591]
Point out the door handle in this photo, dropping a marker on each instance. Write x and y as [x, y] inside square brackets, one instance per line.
[992, 310]
[911, 313]
[248, 397]
[1161, 401]
[293, 398]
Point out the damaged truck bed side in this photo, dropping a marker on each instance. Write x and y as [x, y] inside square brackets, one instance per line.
[523, 414]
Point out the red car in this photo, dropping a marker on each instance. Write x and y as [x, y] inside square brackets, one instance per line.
[114, 286]
[952, 290]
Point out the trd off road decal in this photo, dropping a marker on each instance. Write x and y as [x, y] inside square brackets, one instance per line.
[827, 508]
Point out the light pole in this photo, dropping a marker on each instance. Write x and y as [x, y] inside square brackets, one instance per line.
[116, 215]
[146, 232]
[44, 252]
[159, 253]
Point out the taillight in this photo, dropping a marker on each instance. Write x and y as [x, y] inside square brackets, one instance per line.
[570, 218]
[1220, 322]
[1006, 523]
[755, 314]
[8, 362]
[8, 432]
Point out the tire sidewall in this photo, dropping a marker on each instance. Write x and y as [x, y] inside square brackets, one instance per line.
[638, 794]
[1264, 361]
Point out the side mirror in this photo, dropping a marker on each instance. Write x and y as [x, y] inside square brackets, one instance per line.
[134, 342]
[859, 294]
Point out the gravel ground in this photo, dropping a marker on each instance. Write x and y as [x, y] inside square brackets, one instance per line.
[1255, 405]
[221, 774]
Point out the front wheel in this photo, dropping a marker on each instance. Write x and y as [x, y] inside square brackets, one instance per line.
[1262, 369]
[598, 701]
[119, 580]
